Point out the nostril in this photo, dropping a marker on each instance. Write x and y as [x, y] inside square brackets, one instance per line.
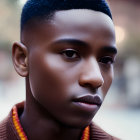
[100, 85]
[92, 84]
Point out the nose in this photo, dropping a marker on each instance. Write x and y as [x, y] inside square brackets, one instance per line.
[91, 75]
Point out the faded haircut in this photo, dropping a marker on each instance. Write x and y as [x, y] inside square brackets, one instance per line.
[40, 9]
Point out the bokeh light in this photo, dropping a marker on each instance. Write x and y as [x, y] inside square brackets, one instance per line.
[22, 2]
[120, 34]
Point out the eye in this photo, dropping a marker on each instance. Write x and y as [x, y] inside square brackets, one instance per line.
[70, 54]
[106, 60]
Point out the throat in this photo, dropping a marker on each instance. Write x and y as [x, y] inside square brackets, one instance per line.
[36, 129]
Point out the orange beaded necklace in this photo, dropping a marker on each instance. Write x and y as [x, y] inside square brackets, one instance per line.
[19, 129]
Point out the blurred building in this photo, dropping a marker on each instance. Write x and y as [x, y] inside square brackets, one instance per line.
[127, 20]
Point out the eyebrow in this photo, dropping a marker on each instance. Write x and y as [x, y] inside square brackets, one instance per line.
[76, 42]
[109, 49]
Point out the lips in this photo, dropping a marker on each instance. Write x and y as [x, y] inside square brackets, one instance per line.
[89, 99]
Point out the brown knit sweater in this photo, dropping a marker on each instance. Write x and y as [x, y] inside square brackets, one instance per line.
[8, 131]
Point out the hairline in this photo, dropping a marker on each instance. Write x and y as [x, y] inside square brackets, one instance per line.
[50, 17]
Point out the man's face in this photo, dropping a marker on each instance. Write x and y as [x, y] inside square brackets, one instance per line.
[71, 64]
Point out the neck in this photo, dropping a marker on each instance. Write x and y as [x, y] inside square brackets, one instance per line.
[38, 126]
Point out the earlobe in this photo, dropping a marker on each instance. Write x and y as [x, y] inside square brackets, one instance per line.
[20, 58]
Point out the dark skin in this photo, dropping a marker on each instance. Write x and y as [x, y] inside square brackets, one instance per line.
[63, 60]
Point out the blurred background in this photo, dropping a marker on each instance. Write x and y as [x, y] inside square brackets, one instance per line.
[120, 113]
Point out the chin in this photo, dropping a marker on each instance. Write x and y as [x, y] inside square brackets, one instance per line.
[78, 123]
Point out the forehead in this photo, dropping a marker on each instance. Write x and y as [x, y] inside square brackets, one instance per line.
[79, 24]
[84, 21]
[81, 17]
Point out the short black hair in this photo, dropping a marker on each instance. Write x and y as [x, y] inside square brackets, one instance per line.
[45, 8]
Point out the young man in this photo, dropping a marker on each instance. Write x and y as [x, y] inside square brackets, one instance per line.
[66, 53]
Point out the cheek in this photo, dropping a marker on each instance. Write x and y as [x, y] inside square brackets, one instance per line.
[108, 77]
[47, 80]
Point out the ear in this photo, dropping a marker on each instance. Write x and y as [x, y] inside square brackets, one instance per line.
[20, 58]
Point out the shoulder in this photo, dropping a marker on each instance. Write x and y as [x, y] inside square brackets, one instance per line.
[7, 129]
[3, 128]
[98, 133]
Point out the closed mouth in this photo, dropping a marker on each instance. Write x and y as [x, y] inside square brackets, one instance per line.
[89, 99]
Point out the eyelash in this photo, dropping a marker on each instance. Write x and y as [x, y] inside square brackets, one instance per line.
[70, 54]
[107, 60]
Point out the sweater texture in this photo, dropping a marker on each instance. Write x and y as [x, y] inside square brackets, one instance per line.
[8, 131]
